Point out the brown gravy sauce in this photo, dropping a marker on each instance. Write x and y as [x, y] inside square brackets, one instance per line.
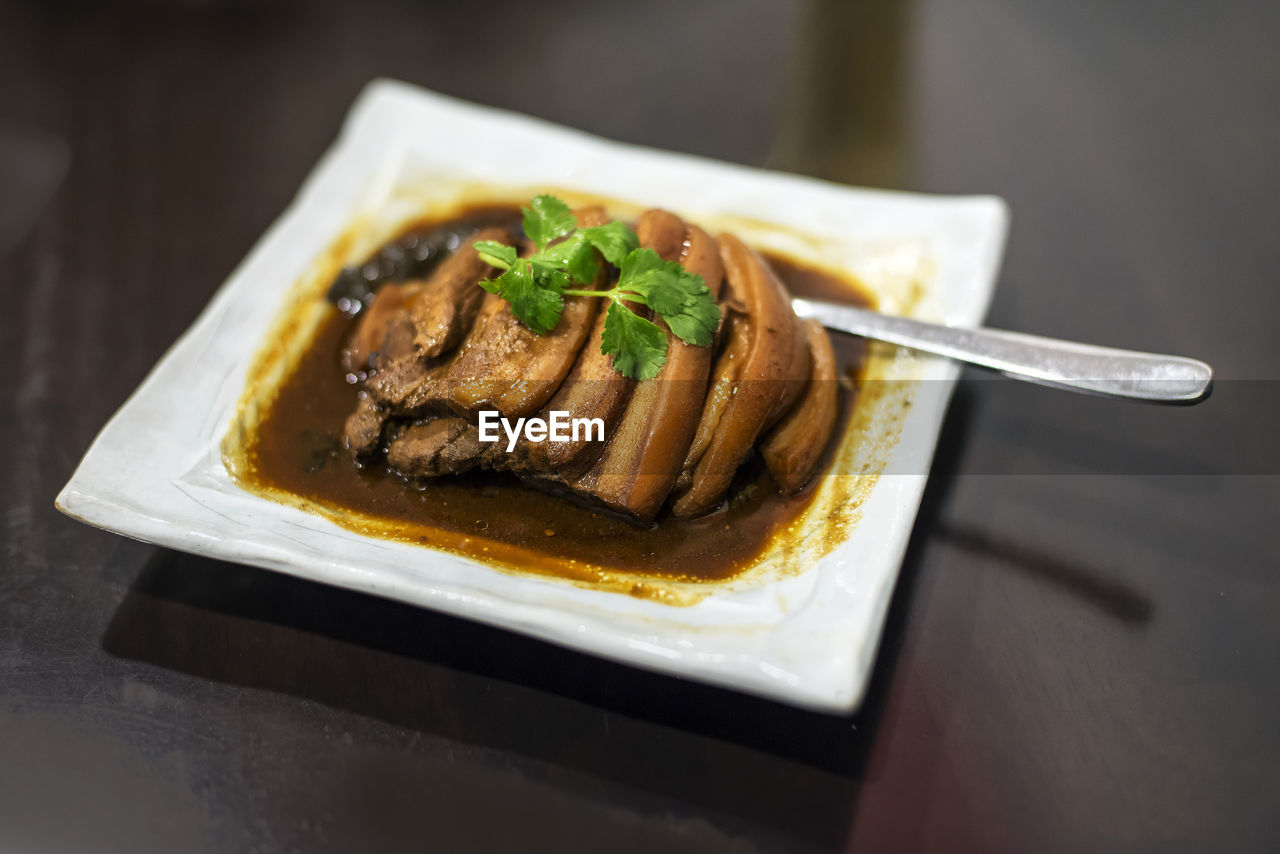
[297, 450]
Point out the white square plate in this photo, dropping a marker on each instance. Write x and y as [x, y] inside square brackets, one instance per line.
[807, 638]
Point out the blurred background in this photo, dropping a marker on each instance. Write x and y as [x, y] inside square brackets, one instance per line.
[1081, 650]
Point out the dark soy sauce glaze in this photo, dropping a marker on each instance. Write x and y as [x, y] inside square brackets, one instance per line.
[297, 448]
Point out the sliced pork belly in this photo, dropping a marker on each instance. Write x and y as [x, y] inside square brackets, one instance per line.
[643, 458]
[506, 366]
[447, 445]
[363, 429]
[793, 449]
[408, 386]
[502, 365]
[764, 371]
[795, 377]
[426, 317]
[371, 331]
[422, 323]
[445, 308]
[734, 339]
[442, 350]
[593, 389]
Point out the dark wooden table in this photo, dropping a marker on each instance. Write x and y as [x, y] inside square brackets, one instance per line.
[1084, 646]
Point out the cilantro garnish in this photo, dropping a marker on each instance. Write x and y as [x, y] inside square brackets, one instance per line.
[565, 255]
[638, 346]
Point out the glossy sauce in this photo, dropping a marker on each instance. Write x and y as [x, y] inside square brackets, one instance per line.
[297, 449]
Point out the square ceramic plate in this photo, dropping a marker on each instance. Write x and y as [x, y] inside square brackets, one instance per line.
[804, 637]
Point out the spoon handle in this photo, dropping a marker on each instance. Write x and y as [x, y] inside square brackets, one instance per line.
[1049, 361]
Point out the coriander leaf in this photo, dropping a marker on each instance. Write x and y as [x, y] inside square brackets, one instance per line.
[663, 284]
[535, 300]
[567, 260]
[613, 239]
[552, 279]
[638, 346]
[681, 298]
[574, 255]
[496, 254]
[696, 322]
[547, 218]
[499, 284]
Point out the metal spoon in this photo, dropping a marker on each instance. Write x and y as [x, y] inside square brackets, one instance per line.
[1048, 361]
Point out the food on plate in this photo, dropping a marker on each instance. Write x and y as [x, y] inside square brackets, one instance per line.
[634, 395]
[623, 328]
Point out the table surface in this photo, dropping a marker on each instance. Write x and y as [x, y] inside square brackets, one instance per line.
[1082, 650]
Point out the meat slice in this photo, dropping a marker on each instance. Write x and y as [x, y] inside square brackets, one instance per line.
[763, 372]
[442, 446]
[735, 339]
[795, 377]
[593, 389]
[363, 429]
[509, 385]
[506, 366]
[436, 313]
[643, 458]
[444, 308]
[793, 449]
[407, 385]
[371, 332]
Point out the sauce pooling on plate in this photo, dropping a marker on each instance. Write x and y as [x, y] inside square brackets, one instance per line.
[300, 448]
